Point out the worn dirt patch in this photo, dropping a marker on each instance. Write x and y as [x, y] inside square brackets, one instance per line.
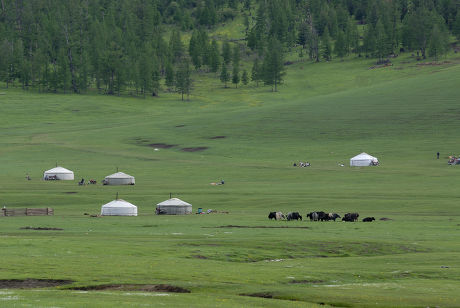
[180, 125]
[218, 137]
[199, 257]
[307, 281]
[259, 294]
[162, 145]
[40, 228]
[70, 192]
[259, 227]
[195, 149]
[135, 287]
[385, 219]
[31, 283]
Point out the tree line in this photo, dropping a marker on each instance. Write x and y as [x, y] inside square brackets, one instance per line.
[116, 46]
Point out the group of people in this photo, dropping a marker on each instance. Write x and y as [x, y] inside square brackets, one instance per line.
[82, 182]
[302, 164]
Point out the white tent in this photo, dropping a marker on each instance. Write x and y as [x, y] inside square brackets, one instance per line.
[174, 206]
[363, 159]
[119, 207]
[119, 178]
[58, 173]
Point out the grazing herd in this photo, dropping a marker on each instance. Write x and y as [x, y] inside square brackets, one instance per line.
[318, 216]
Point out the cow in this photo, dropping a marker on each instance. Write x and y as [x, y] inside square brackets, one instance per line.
[294, 216]
[279, 216]
[313, 216]
[368, 219]
[333, 216]
[350, 217]
[272, 215]
[322, 216]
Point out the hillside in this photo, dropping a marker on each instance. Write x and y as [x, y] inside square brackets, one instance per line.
[325, 114]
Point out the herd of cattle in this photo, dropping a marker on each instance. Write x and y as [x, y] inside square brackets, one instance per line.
[317, 216]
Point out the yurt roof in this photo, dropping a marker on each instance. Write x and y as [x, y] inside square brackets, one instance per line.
[362, 156]
[174, 201]
[58, 170]
[119, 175]
[119, 203]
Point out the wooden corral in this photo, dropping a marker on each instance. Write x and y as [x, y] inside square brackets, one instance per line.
[27, 212]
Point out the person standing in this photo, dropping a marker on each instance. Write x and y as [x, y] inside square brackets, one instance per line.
[437, 155]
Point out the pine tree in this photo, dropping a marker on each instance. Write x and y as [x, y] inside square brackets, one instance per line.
[273, 67]
[369, 44]
[326, 48]
[438, 44]
[236, 76]
[169, 75]
[226, 52]
[456, 25]
[214, 57]
[256, 72]
[340, 47]
[176, 48]
[245, 78]
[224, 75]
[382, 45]
[183, 78]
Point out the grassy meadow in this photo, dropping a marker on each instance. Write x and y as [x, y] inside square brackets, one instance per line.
[325, 113]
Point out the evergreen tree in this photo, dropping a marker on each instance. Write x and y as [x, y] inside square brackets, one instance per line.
[382, 46]
[326, 47]
[176, 48]
[352, 36]
[183, 78]
[273, 67]
[236, 76]
[256, 72]
[214, 57]
[226, 52]
[245, 78]
[169, 75]
[340, 47]
[369, 44]
[224, 75]
[456, 25]
[438, 44]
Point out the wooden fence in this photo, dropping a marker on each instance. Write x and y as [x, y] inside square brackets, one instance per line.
[27, 212]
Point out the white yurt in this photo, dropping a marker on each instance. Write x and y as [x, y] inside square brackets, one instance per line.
[119, 178]
[363, 160]
[58, 173]
[119, 207]
[174, 206]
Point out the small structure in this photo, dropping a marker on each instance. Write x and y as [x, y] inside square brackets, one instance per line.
[174, 206]
[119, 178]
[119, 207]
[26, 212]
[363, 160]
[58, 173]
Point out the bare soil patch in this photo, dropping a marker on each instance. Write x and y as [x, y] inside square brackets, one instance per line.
[31, 283]
[259, 294]
[70, 192]
[218, 137]
[200, 257]
[40, 228]
[307, 281]
[180, 125]
[259, 227]
[385, 219]
[195, 149]
[135, 287]
[162, 145]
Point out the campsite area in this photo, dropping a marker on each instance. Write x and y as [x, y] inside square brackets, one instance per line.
[403, 114]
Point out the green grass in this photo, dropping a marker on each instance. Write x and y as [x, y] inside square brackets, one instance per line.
[324, 113]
